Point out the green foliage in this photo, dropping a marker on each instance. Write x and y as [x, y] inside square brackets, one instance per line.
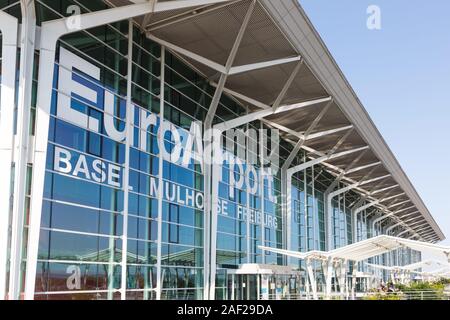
[413, 291]
[444, 281]
[384, 296]
[433, 290]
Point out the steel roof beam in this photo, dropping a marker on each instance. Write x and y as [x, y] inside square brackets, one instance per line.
[416, 223]
[186, 15]
[257, 115]
[334, 184]
[392, 197]
[327, 157]
[328, 132]
[385, 189]
[287, 85]
[403, 232]
[196, 57]
[262, 65]
[364, 167]
[393, 226]
[357, 184]
[398, 204]
[409, 214]
[302, 141]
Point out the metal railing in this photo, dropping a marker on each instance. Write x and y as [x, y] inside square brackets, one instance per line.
[400, 295]
[304, 296]
[407, 295]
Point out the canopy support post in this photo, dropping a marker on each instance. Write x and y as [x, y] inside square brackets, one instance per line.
[329, 276]
[312, 279]
[355, 269]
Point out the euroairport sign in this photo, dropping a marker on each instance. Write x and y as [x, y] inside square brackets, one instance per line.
[79, 80]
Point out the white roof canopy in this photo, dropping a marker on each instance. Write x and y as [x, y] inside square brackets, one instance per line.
[366, 249]
[413, 266]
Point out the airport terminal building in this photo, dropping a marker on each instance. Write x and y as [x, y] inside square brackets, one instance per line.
[162, 149]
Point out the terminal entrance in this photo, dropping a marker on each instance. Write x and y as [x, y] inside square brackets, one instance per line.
[263, 282]
[243, 286]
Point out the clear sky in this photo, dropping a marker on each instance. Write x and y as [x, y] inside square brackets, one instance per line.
[401, 73]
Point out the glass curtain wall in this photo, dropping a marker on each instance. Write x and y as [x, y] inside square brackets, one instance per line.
[89, 211]
[80, 248]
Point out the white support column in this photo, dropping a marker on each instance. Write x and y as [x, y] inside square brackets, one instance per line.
[359, 209]
[285, 180]
[340, 267]
[159, 274]
[126, 172]
[288, 185]
[261, 189]
[354, 273]
[9, 31]
[355, 213]
[333, 194]
[312, 278]
[51, 31]
[393, 226]
[215, 145]
[212, 142]
[27, 40]
[387, 216]
[328, 278]
[21, 144]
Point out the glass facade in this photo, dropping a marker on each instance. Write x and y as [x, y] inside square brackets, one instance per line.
[82, 227]
[124, 187]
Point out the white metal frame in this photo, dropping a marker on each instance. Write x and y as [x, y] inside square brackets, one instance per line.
[126, 175]
[9, 31]
[27, 46]
[291, 171]
[331, 195]
[388, 230]
[365, 207]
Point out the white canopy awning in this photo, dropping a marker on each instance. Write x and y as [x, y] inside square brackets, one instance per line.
[366, 249]
[444, 267]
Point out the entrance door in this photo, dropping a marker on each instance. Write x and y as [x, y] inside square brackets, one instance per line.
[242, 286]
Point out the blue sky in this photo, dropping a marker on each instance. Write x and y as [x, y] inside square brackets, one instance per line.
[401, 73]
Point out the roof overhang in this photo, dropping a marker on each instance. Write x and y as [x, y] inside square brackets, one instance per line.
[366, 249]
[281, 61]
